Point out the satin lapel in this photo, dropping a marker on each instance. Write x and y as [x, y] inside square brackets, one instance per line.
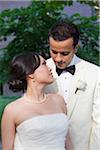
[73, 98]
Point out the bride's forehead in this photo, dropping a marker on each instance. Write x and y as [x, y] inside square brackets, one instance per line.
[41, 59]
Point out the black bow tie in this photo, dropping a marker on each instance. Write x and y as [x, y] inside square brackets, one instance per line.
[70, 69]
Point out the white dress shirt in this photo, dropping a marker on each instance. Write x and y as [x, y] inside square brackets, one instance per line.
[64, 81]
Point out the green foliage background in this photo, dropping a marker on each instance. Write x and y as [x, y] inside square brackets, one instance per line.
[30, 26]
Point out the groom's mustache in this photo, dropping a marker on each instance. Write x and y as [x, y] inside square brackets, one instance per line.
[60, 62]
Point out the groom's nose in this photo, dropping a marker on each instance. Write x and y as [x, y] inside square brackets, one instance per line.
[58, 57]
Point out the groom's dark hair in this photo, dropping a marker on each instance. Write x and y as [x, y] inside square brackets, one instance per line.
[63, 30]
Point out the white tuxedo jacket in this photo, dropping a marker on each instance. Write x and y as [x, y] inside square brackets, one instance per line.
[83, 106]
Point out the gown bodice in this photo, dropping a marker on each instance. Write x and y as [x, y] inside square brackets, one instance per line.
[43, 132]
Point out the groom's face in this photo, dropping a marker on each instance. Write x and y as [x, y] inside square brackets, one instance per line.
[62, 52]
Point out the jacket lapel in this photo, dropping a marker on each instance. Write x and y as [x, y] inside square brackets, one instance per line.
[73, 97]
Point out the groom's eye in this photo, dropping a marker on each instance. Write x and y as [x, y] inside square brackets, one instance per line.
[65, 53]
[54, 52]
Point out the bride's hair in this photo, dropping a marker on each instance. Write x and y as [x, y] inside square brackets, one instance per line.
[22, 65]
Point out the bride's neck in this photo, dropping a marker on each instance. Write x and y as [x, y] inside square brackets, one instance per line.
[35, 92]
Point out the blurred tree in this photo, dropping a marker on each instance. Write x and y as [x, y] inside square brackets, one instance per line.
[29, 28]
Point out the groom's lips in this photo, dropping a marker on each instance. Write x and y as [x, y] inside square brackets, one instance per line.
[59, 64]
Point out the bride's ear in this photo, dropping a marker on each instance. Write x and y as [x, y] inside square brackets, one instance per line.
[31, 76]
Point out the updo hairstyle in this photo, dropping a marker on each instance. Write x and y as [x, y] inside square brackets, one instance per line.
[22, 65]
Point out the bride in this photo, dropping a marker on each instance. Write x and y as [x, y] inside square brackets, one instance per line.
[36, 121]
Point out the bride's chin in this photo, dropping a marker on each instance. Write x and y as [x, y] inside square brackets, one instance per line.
[50, 81]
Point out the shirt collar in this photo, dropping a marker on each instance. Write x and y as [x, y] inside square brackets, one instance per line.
[73, 62]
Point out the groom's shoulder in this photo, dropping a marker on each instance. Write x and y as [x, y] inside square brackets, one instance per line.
[88, 65]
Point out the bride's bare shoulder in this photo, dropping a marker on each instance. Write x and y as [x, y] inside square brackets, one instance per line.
[59, 101]
[12, 106]
[56, 97]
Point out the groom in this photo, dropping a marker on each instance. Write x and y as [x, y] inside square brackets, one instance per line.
[78, 81]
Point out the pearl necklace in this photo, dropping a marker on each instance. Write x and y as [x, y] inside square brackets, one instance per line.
[35, 102]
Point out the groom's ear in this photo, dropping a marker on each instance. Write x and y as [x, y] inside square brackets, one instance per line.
[76, 48]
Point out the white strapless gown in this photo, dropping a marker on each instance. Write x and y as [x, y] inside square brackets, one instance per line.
[43, 132]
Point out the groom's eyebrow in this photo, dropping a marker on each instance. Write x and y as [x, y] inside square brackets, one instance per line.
[64, 53]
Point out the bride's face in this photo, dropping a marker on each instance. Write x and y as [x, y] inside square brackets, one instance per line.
[43, 73]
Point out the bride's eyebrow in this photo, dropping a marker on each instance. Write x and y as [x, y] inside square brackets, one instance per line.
[44, 62]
